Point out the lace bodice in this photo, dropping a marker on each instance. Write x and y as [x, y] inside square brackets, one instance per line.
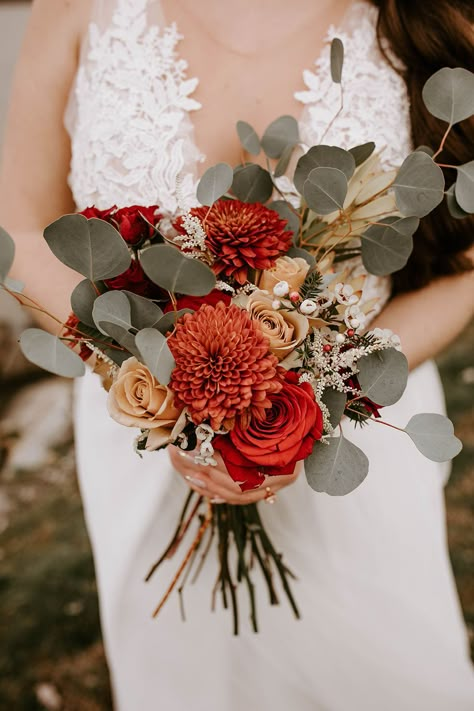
[129, 115]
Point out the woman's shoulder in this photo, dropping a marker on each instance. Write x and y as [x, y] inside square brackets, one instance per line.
[67, 17]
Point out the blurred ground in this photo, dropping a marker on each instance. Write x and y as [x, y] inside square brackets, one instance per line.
[51, 655]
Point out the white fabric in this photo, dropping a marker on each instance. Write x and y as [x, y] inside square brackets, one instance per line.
[381, 625]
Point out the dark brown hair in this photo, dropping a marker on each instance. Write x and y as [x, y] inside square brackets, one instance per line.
[426, 36]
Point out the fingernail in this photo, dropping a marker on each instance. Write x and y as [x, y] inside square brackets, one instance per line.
[195, 481]
[217, 500]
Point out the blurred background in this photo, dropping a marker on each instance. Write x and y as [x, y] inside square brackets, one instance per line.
[51, 655]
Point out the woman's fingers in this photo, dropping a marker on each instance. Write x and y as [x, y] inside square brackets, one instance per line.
[216, 483]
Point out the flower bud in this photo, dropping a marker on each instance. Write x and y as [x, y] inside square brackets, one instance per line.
[281, 289]
[308, 306]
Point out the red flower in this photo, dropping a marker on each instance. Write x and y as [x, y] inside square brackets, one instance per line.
[194, 302]
[132, 222]
[93, 211]
[368, 405]
[272, 445]
[223, 367]
[134, 279]
[242, 236]
[70, 329]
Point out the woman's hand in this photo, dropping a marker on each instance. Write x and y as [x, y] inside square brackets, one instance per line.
[217, 484]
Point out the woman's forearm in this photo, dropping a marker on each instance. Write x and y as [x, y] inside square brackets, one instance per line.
[428, 320]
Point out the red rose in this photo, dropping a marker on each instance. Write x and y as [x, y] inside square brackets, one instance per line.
[134, 279]
[272, 446]
[90, 212]
[133, 222]
[194, 302]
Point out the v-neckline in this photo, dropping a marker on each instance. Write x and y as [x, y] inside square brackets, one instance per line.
[334, 29]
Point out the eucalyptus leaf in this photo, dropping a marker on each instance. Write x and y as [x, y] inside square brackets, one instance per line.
[91, 247]
[362, 153]
[155, 353]
[248, 138]
[425, 149]
[286, 212]
[419, 185]
[123, 337]
[252, 183]
[112, 307]
[169, 319]
[298, 252]
[383, 376]
[465, 187]
[455, 210]
[82, 301]
[335, 401]
[337, 60]
[449, 94]
[280, 133]
[323, 157]
[283, 162]
[433, 435]
[325, 190]
[7, 254]
[336, 467]
[386, 247]
[144, 313]
[169, 268]
[49, 353]
[215, 182]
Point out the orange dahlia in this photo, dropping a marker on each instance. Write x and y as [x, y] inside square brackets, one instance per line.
[242, 235]
[223, 366]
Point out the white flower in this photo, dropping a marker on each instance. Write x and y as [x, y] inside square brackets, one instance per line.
[308, 306]
[281, 289]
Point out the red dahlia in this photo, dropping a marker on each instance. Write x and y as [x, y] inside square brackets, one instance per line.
[223, 366]
[242, 235]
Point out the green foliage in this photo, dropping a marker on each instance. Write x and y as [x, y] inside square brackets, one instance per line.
[91, 247]
[113, 307]
[337, 60]
[383, 376]
[323, 157]
[248, 138]
[286, 212]
[465, 187]
[215, 182]
[362, 153]
[419, 185]
[252, 183]
[449, 94]
[455, 210]
[386, 247]
[336, 467]
[433, 435]
[48, 352]
[169, 268]
[335, 401]
[82, 301]
[312, 285]
[7, 254]
[282, 132]
[155, 353]
[325, 190]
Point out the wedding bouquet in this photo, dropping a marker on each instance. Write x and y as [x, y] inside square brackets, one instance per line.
[240, 326]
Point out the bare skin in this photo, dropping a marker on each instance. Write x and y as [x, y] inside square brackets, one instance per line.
[233, 60]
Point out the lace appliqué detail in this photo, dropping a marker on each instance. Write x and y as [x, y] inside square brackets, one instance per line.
[376, 106]
[132, 137]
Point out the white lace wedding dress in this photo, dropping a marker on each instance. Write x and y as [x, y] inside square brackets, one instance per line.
[381, 626]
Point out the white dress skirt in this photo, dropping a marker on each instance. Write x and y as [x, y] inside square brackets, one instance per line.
[381, 626]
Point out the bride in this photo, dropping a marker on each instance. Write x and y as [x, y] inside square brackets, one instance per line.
[381, 625]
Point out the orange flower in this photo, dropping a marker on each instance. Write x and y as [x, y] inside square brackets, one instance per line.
[223, 366]
[242, 235]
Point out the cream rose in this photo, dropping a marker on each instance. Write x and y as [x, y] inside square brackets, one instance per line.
[137, 399]
[290, 269]
[284, 329]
